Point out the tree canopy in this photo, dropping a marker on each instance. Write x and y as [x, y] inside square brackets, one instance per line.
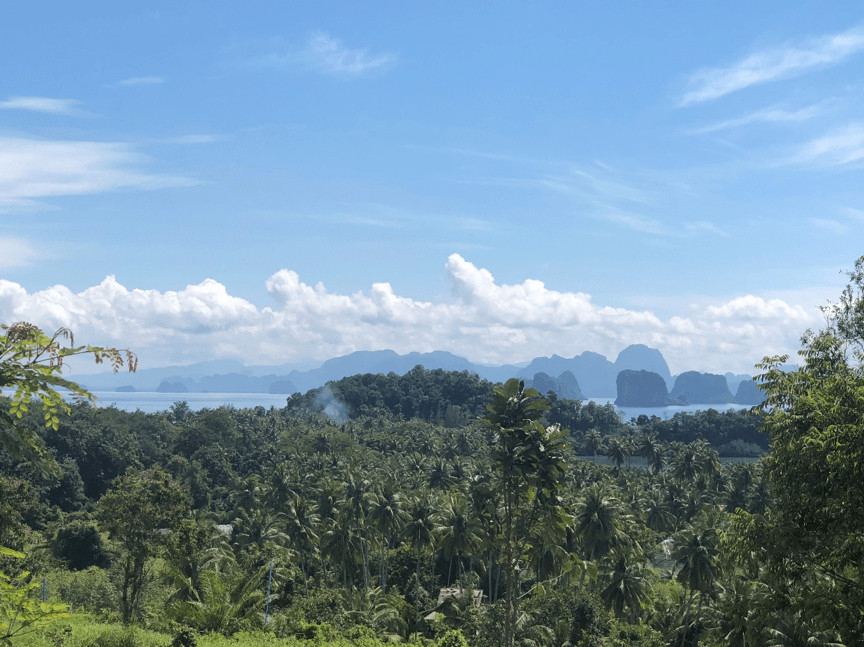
[813, 534]
[32, 363]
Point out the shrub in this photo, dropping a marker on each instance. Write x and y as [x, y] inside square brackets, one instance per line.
[452, 638]
[89, 590]
[80, 545]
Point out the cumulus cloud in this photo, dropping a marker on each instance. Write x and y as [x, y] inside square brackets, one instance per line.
[772, 65]
[35, 169]
[480, 319]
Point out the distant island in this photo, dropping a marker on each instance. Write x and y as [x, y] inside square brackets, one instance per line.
[588, 375]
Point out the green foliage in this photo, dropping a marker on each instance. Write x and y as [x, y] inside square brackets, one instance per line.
[452, 638]
[225, 602]
[20, 613]
[529, 461]
[433, 395]
[810, 544]
[135, 510]
[89, 590]
[31, 362]
[632, 635]
[16, 498]
[185, 638]
[368, 517]
[79, 544]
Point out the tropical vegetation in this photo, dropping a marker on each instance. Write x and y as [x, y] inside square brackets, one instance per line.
[437, 509]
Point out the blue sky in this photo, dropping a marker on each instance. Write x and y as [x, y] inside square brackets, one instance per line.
[290, 181]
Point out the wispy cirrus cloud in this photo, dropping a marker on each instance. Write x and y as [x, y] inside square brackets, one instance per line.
[191, 139]
[43, 104]
[327, 55]
[142, 80]
[839, 147]
[830, 225]
[772, 65]
[766, 115]
[854, 214]
[701, 226]
[17, 252]
[633, 221]
[35, 169]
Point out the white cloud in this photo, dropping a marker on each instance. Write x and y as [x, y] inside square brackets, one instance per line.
[767, 115]
[831, 225]
[855, 214]
[191, 139]
[772, 65]
[42, 104]
[142, 80]
[634, 221]
[481, 319]
[842, 146]
[17, 252]
[328, 55]
[32, 169]
[700, 226]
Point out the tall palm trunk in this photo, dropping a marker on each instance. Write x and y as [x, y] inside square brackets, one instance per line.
[687, 617]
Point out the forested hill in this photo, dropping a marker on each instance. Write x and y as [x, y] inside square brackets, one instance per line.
[452, 399]
[448, 397]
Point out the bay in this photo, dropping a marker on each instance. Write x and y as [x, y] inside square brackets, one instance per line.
[667, 412]
[152, 402]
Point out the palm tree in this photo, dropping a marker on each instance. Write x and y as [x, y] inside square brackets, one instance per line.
[280, 487]
[652, 450]
[300, 524]
[548, 554]
[485, 505]
[658, 513]
[685, 462]
[458, 531]
[355, 505]
[626, 586]
[341, 545]
[439, 474]
[695, 553]
[420, 527]
[598, 521]
[737, 609]
[196, 545]
[593, 442]
[258, 531]
[224, 601]
[617, 450]
[387, 515]
[246, 494]
[376, 609]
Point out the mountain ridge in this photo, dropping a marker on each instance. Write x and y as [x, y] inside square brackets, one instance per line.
[595, 374]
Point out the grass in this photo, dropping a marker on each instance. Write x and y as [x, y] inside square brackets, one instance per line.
[82, 630]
